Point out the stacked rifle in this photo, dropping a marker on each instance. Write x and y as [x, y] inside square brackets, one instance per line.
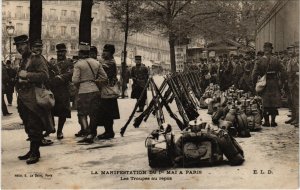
[182, 87]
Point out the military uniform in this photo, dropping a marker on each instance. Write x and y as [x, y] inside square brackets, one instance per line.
[293, 84]
[225, 75]
[271, 95]
[139, 75]
[33, 72]
[59, 82]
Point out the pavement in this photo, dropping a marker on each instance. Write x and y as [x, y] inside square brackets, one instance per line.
[271, 159]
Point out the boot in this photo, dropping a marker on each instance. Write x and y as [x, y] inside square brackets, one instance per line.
[141, 109]
[88, 139]
[273, 123]
[267, 122]
[27, 155]
[35, 153]
[84, 125]
[61, 122]
[108, 134]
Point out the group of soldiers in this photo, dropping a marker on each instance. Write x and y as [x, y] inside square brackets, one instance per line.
[94, 82]
[281, 69]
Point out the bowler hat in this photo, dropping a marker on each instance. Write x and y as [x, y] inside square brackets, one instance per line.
[37, 43]
[268, 44]
[84, 46]
[109, 48]
[20, 39]
[61, 47]
[138, 57]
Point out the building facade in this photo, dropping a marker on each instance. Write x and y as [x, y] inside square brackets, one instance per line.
[60, 24]
[280, 27]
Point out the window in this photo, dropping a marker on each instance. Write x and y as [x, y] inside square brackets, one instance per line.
[63, 12]
[95, 31]
[108, 33]
[73, 14]
[52, 12]
[52, 47]
[63, 30]
[52, 29]
[73, 31]
[19, 28]
[73, 46]
[19, 11]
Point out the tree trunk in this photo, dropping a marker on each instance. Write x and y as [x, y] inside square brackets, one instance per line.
[85, 21]
[172, 40]
[35, 22]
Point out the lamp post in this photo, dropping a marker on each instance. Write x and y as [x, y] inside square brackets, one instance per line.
[10, 29]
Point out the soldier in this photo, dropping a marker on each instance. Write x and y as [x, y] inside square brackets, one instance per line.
[139, 75]
[5, 81]
[237, 70]
[293, 83]
[59, 84]
[269, 65]
[33, 72]
[12, 73]
[245, 82]
[84, 75]
[225, 74]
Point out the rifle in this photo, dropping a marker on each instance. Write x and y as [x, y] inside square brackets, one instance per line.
[177, 100]
[123, 129]
[172, 115]
[149, 109]
[157, 106]
[188, 106]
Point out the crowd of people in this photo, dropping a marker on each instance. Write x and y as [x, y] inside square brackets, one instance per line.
[95, 82]
[243, 71]
[91, 84]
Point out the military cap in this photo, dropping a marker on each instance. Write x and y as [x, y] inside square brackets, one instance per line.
[138, 57]
[61, 47]
[94, 49]
[20, 39]
[109, 48]
[37, 43]
[290, 47]
[84, 46]
[268, 44]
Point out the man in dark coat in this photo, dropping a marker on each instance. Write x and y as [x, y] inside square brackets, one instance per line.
[225, 74]
[12, 73]
[59, 84]
[5, 81]
[245, 82]
[293, 83]
[33, 72]
[139, 75]
[271, 66]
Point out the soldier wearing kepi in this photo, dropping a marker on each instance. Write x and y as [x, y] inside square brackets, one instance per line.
[271, 66]
[139, 75]
[33, 72]
[293, 83]
[59, 86]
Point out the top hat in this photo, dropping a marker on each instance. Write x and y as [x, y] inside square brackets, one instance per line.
[37, 43]
[94, 49]
[268, 44]
[83, 46]
[109, 48]
[20, 39]
[138, 57]
[61, 47]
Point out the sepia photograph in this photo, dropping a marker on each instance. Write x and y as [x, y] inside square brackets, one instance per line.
[150, 94]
